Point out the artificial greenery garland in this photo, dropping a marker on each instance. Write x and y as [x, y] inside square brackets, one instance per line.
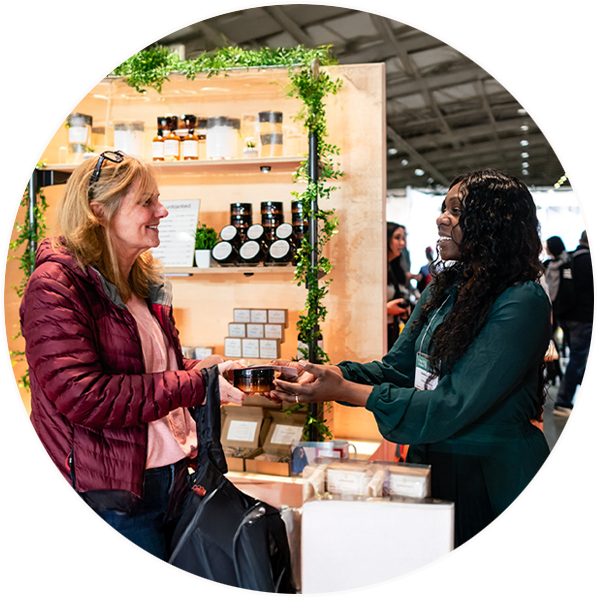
[151, 68]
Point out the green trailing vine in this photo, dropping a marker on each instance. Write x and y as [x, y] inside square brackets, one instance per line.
[151, 69]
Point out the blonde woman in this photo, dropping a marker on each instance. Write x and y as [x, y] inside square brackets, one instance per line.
[110, 388]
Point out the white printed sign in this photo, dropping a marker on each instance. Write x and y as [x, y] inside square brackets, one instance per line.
[241, 431]
[286, 434]
[177, 233]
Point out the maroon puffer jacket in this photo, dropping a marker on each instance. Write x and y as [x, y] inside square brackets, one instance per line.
[90, 397]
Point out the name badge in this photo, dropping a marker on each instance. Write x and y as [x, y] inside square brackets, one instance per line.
[423, 377]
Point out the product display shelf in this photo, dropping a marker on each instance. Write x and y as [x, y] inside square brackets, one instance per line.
[272, 164]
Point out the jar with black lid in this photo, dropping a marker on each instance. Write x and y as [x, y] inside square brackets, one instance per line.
[270, 207]
[258, 234]
[225, 254]
[281, 253]
[240, 208]
[251, 253]
[232, 234]
[285, 231]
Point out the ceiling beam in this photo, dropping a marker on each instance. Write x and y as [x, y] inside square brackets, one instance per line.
[421, 160]
[184, 14]
[376, 50]
[385, 28]
[278, 14]
[450, 78]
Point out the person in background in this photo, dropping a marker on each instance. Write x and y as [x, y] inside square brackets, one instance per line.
[110, 388]
[398, 295]
[577, 323]
[558, 254]
[465, 379]
[424, 277]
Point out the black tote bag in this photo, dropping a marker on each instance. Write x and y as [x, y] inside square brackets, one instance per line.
[223, 534]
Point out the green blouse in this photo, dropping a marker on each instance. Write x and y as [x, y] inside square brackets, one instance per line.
[474, 428]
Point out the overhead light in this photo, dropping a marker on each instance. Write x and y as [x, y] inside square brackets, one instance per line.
[522, 111]
[525, 172]
[524, 154]
[524, 127]
[430, 180]
[419, 172]
[524, 164]
[404, 162]
[524, 143]
[392, 151]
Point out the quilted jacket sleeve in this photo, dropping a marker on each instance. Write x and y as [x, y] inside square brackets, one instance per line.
[66, 368]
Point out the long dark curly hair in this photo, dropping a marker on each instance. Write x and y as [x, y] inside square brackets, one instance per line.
[500, 247]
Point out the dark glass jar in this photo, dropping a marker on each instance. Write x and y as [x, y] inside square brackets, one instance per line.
[251, 253]
[225, 254]
[241, 222]
[271, 208]
[254, 381]
[285, 231]
[281, 253]
[258, 234]
[233, 235]
[241, 209]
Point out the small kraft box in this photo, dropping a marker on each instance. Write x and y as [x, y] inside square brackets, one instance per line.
[274, 456]
[408, 480]
[242, 433]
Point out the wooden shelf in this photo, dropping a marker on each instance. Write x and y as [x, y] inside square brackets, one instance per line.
[277, 164]
[189, 271]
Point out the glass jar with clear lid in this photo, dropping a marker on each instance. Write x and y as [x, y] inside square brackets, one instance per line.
[129, 137]
[220, 138]
[79, 136]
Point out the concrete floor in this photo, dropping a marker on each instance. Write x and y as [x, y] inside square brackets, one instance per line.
[574, 476]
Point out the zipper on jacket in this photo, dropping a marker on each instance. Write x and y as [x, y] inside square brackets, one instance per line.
[70, 466]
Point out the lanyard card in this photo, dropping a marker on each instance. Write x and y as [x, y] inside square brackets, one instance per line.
[423, 378]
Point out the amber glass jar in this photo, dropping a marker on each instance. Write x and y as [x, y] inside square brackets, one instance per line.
[254, 381]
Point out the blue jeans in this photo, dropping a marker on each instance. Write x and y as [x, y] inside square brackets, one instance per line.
[580, 336]
[108, 566]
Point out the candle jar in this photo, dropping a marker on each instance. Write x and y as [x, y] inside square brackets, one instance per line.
[258, 234]
[256, 380]
[269, 207]
[280, 253]
[225, 254]
[79, 135]
[251, 253]
[237, 143]
[233, 235]
[241, 209]
[129, 137]
[201, 133]
[271, 144]
[270, 121]
[219, 138]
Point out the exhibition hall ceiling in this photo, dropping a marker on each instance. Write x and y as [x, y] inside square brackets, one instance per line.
[445, 114]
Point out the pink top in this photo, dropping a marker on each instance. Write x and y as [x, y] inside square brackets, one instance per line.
[174, 436]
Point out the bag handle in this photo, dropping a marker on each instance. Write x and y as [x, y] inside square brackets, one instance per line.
[208, 422]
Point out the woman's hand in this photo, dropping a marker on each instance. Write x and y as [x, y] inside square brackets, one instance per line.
[320, 383]
[228, 365]
[393, 307]
[230, 394]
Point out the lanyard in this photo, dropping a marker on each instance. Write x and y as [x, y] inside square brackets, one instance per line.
[431, 322]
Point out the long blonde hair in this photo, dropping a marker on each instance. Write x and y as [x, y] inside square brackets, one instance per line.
[87, 238]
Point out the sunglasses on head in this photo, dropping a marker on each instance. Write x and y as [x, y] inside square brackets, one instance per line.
[114, 156]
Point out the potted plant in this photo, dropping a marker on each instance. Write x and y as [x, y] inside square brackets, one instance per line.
[206, 238]
[250, 151]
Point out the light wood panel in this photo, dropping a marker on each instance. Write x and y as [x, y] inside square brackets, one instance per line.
[354, 328]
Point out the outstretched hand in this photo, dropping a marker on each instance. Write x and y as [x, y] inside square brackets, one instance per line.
[316, 383]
